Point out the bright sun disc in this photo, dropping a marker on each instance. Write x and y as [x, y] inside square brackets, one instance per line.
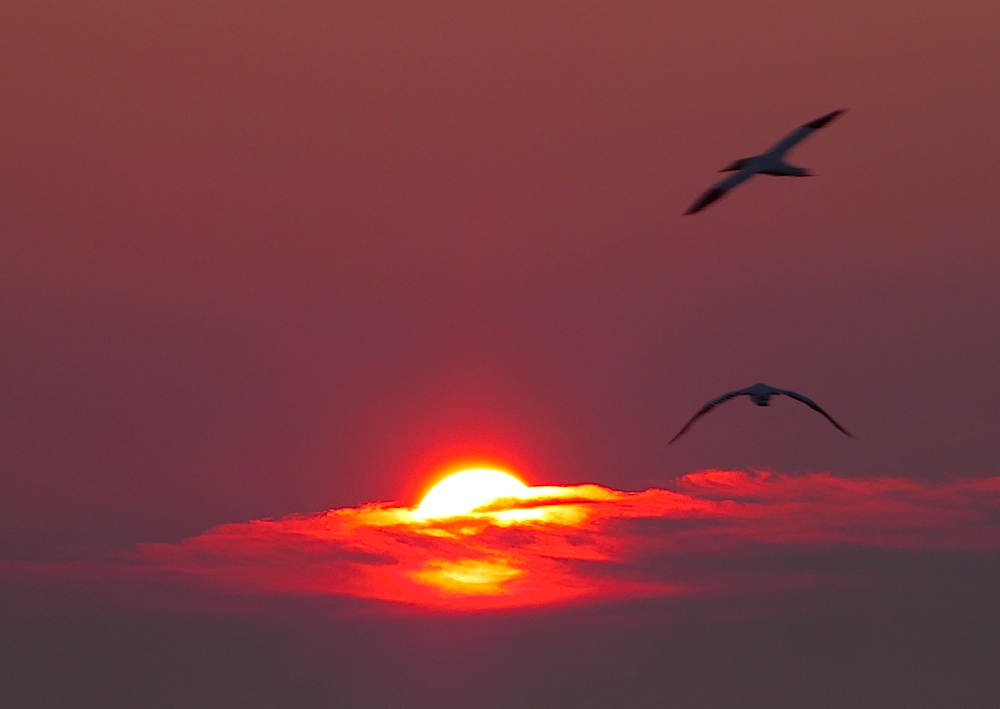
[463, 492]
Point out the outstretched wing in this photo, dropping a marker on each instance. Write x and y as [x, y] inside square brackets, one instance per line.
[801, 133]
[705, 409]
[719, 189]
[815, 407]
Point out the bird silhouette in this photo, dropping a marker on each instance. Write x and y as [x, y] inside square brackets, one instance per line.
[771, 162]
[761, 395]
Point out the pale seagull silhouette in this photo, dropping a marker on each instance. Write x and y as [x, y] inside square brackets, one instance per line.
[771, 162]
[761, 395]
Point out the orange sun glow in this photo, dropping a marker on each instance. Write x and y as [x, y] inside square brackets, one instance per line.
[466, 491]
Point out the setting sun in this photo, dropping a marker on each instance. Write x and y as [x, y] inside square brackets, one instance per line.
[467, 490]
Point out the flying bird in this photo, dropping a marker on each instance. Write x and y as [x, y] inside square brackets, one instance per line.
[761, 395]
[771, 162]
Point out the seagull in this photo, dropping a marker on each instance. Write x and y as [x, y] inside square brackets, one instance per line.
[771, 162]
[761, 395]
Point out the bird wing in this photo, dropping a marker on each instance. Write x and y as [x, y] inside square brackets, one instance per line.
[801, 133]
[719, 189]
[815, 407]
[705, 409]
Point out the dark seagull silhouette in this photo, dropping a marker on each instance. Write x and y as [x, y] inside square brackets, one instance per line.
[761, 395]
[771, 162]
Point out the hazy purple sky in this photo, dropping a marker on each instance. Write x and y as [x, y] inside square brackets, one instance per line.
[265, 258]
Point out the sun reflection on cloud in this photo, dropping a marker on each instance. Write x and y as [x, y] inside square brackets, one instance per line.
[468, 576]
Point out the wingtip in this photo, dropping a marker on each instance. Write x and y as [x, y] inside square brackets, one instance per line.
[823, 120]
[705, 200]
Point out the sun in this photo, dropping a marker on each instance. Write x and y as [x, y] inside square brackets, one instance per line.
[463, 492]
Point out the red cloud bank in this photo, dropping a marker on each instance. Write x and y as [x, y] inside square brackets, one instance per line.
[714, 533]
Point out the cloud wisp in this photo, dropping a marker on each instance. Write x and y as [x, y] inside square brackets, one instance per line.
[715, 532]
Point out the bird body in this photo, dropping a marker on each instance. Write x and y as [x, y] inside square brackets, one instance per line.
[760, 394]
[771, 162]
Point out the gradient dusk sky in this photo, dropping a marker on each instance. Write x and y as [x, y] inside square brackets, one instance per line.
[259, 260]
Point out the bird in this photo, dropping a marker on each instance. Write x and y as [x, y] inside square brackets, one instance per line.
[771, 162]
[760, 394]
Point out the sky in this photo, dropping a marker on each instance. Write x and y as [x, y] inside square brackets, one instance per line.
[261, 260]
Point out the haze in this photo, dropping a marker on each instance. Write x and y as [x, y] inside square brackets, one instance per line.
[268, 258]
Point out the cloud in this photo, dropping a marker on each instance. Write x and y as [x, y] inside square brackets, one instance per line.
[715, 532]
